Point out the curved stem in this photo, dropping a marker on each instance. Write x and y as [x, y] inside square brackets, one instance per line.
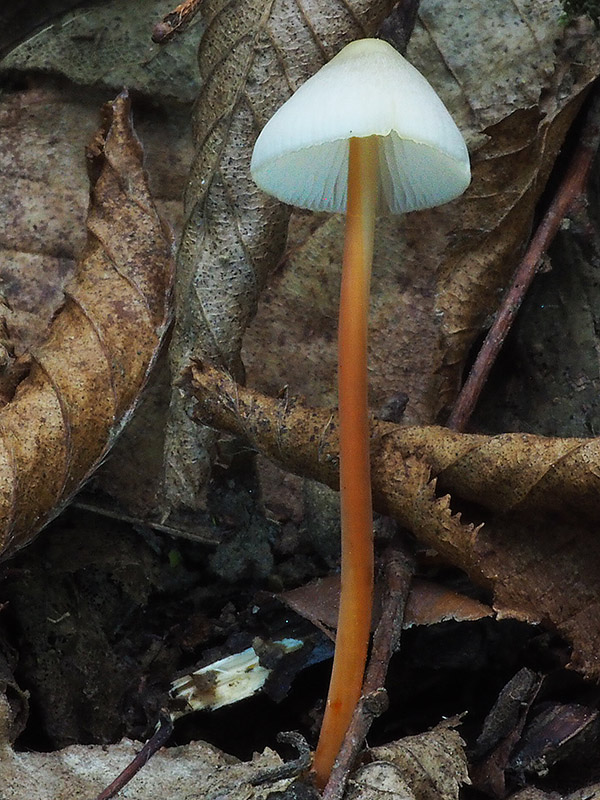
[354, 621]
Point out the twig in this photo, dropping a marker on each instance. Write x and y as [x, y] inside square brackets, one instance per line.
[175, 21]
[398, 571]
[289, 769]
[569, 192]
[159, 738]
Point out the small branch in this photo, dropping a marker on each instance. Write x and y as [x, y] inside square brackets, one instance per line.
[569, 192]
[289, 769]
[175, 21]
[398, 572]
[158, 740]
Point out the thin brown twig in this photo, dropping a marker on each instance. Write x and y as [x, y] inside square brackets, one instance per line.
[158, 739]
[175, 21]
[398, 572]
[569, 192]
[289, 769]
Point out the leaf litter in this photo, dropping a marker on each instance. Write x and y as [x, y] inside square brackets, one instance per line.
[538, 132]
[526, 554]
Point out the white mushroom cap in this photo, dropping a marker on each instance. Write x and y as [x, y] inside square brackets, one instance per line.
[368, 88]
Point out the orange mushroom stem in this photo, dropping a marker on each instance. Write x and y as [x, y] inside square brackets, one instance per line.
[356, 599]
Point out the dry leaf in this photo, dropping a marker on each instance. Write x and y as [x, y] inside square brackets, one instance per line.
[104, 44]
[557, 732]
[538, 549]
[591, 792]
[427, 604]
[197, 771]
[430, 766]
[45, 192]
[43, 201]
[44, 216]
[379, 781]
[87, 376]
[252, 57]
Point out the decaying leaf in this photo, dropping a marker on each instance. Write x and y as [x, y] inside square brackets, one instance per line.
[532, 793]
[44, 218]
[197, 771]
[86, 377]
[379, 781]
[104, 44]
[252, 57]
[430, 766]
[536, 496]
[43, 133]
[427, 604]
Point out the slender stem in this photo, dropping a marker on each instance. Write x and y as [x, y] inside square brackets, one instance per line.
[354, 621]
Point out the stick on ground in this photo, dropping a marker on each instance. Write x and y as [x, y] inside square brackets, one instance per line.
[569, 193]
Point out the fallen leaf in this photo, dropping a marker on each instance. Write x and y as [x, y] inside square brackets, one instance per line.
[501, 731]
[559, 731]
[536, 496]
[252, 57]
[104, 44]
[532, 793]
[197, 771]
[428, 603]
[379, 781]
[431, 766]
[87, 376]
[590, 792]
[43, 133]
[44, 216]
[45, 192]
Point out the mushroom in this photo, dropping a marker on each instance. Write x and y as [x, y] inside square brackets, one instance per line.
[366, 131]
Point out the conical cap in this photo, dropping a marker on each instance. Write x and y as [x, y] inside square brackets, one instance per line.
[368, 88]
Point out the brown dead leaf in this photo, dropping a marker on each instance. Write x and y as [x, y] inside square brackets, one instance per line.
[591, 792]
[558, 731]
[44, 216]
[252, 57]
[501, 731]
[430, 766]
[87, 376]
[43, 133]
[539, 553]
[428, 603]
[197, 771]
